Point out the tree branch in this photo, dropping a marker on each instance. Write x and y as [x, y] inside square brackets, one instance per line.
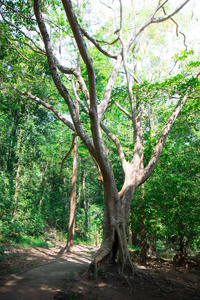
[177, 30]
[155, 20]
[79, 78]
[14, 47]
[66, 156]
[48, 106]
[109, 87]
[128, 81]
[95, 126]
[159, 7]
[58, 83]
[117, 144]
[91, 39]
[41, 51]
[83, 51]
[108, 43]
[146, 173]
[123, 110]
[130, 92]
[162, 19]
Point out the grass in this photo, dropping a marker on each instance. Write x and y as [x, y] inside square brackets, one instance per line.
[7, 269]
[30, 241]
[33, 262]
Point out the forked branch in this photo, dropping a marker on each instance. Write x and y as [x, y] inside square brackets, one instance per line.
[109, 87]
[153, 20]
[146, 173]
[58, 83]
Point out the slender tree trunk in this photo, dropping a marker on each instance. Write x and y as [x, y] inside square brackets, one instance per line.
[152, 244]
[43, 183]
[143, 244]
[130, 237]
[21, 140]
[71, 228]
[85, 204]
[183, 242]
[70, 240]
[16, 188]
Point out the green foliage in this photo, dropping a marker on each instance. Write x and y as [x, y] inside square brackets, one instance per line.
[33, 138]
[32, 241]
[14, 230]
[171, 203]
[95, 217]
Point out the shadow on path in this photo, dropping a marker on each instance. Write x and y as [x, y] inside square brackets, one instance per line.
[43, 282]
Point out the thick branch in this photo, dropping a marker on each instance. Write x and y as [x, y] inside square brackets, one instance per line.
[95, 127]
[160, 144]
[108, 90]
[110, 135]
[130, 91]
[138, 140]
[58, 83]
[83, 51]
[79, 78]
[117, 144]
[128, 80]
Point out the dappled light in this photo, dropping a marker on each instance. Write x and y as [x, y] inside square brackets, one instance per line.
[99, 145]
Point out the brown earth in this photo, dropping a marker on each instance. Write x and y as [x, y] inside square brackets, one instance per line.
[40, 272]
[46, 273]
[159, 280]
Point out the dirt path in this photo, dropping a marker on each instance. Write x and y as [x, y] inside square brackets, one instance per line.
[44, 272]
[44, 281]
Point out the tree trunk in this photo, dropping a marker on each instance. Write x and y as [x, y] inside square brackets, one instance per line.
[70, 240]
[114, 230]
[20, 141]
[130, 237]
[143, 244]
[134, 239]
[16, 188]
[85, 204]
[152, 244]
[43, 183]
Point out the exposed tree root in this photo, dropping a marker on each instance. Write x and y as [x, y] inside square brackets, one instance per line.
[127, 281]
[115, 247]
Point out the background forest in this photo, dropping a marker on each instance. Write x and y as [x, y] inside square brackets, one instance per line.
[35, 200]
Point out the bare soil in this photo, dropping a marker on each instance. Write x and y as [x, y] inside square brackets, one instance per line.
[42, 272]
[160, 278]
[18, 260]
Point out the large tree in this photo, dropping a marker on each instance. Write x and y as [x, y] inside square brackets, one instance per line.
[96, 93]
